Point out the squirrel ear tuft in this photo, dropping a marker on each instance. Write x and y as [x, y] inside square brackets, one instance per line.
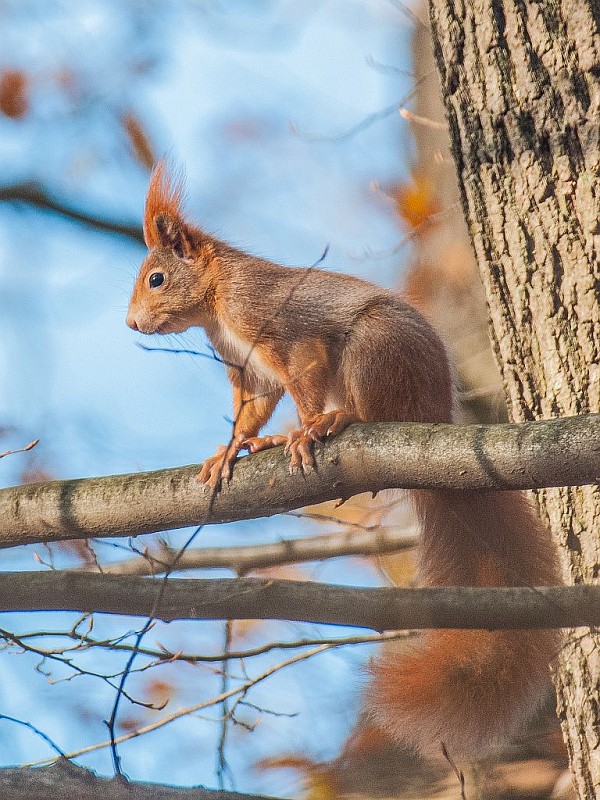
[164, 221]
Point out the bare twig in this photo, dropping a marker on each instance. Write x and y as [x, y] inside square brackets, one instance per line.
[183, 712]
[159, 592]
[27, 447]
[61, 658]
[427, 123]
[460, 776]
[168, 656]
[37, 731]
[222, 765]
[34, 194]
[414, 233]
[379, 66]
[367, 121]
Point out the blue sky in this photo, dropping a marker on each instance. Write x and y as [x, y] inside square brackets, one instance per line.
[251, 99]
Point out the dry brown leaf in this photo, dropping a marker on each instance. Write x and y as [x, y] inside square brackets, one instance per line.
[130, 724]
[416, 202]
[299, 763]
[365, 739]
[321, 786]
[35, 474]
[79, 549]
[400, 568]
[158, 692]
[355, 510]
[139, 140]
[242, 629]
[14, 93]
[529, 778]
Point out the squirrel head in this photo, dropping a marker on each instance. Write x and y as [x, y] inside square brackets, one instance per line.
[168, 294]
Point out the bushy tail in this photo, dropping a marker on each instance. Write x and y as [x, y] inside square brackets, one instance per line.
[465, 689]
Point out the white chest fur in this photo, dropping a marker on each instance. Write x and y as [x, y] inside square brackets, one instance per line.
[237, 352]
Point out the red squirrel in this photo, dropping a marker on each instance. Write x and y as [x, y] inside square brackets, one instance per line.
[347, 350]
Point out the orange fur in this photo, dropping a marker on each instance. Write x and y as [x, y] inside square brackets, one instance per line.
[346, 349]
[469, 689]
[165, 196]
[466, 690]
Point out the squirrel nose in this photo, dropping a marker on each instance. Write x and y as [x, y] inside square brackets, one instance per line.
[132, 323]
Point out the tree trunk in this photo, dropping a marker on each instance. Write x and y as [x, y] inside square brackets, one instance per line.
[520, 84]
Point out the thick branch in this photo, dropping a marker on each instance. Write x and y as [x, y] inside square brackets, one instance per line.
[364, 458]
[35, 195]
[70, 782]
[303, 601]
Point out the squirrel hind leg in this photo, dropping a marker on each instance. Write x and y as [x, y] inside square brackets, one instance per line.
[330, 423]
[395, 368]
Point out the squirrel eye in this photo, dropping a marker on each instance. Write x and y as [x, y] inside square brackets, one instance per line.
[156, 279]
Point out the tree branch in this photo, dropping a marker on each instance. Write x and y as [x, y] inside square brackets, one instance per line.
[365, 458]
[34, 194]
[304, 601]
[70, 782]
[374, 540]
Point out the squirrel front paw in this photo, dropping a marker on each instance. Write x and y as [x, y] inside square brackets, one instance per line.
[299, 443]
[219, 467]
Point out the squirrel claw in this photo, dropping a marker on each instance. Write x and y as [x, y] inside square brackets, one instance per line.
[219, 468]
[254, 444]
[300, 443]
[299, 448]
[330, 423]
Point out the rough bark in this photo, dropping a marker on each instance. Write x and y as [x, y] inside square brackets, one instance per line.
[520, 83]
[365, 458]
[70, 782]
[380, 609]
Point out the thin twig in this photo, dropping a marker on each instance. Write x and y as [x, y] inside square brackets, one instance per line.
[169, 656]
[460, 776]
[222, 765]
[34, 194]
[425, 121]
[27, 447]
[367, 121]
[37, 731]
[125, 737]
[141, 634]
